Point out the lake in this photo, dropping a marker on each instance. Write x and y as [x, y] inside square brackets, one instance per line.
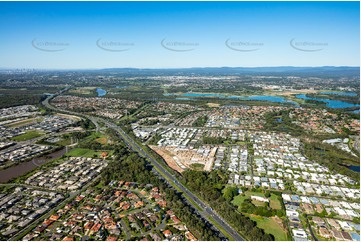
[274, 99]
[23, 168]
[101, 92]
[349, 94]
[329, 102]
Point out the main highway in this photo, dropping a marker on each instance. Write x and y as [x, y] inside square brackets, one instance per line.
[207, 212]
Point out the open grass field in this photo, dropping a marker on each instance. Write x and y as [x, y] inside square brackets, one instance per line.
[102, 140]
[83, 90]
[27, 136]
[274, 202]
[270, 226]
[72, 117]
[197, 166]
[82, 152]
[64, 142]
[260, 194]
[259, 203]
[238, 200]
[76, 152]
[97, 136]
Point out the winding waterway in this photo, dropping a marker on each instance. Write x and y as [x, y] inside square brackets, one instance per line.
[24, 167]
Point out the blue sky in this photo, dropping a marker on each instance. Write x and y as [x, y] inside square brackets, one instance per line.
[194, 34]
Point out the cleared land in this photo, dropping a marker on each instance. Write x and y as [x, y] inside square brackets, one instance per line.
[77, 152]
[102, 140]
[213, 105]
[272, 226]
[83, 90]
[238, 200]
[274, 202]
[198, 167]
[27, 136]
[290, 92]
[71, 117]
[180, 159]
[167, 157]
[23, 122]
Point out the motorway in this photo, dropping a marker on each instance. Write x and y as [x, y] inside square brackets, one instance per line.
[207, 212]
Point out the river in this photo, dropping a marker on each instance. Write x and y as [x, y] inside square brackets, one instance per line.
[23, 168]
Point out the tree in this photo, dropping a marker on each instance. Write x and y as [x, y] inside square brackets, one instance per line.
[230, 192]
[267, 193]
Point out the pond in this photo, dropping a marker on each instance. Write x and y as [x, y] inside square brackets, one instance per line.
[329, 102]
[354, 168]
[101, 92]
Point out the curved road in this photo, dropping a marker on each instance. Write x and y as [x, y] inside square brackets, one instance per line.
[207, 212]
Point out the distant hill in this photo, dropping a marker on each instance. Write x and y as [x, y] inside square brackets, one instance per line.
[282, 70]
[324, 71]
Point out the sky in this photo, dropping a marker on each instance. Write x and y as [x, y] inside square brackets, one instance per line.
[82, 35]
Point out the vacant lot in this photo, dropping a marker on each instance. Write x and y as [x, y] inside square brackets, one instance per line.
[274, 202]
[270, 226]
[27, 136]
[238, 200]
[97, 136]
[83, 90]
[23, 122]
[82, 152]
[102, 140]
[213, 105]
[197, 166]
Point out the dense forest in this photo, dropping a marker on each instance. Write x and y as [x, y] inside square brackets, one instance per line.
[16, 100]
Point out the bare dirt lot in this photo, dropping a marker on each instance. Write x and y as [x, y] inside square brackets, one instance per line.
[213, 105]
[167, 157]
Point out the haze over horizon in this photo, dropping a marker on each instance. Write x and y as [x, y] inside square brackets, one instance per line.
[163, 35]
